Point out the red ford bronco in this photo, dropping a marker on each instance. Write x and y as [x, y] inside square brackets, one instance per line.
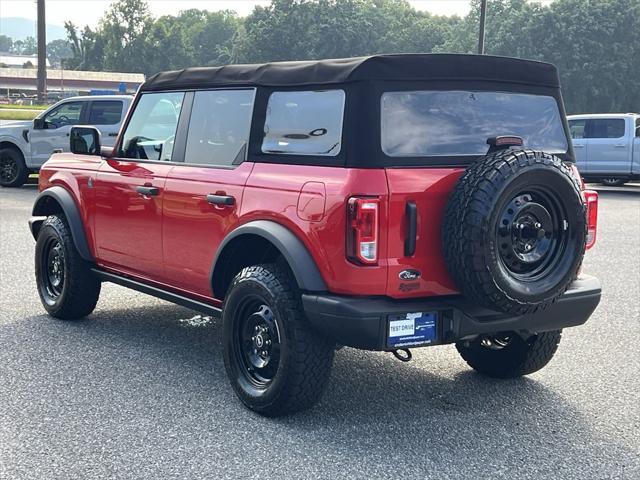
[381, 203]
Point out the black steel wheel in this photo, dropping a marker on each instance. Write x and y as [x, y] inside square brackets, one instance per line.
[531, 233]
[276, 363]
[67, 287]
[508, 355]
[13, 171]
[54, 264]
[258, 341]
[514, 231]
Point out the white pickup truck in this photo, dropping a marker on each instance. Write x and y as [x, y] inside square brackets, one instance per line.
[607, 147]
[26, 145]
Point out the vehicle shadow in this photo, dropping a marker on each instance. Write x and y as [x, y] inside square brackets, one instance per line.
[157, 373]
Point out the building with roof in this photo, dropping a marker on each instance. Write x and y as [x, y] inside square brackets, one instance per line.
[24, 80]
[18, 61]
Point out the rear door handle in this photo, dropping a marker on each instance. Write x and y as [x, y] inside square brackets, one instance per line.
[148, 191]
[411, 212]
[227, 200]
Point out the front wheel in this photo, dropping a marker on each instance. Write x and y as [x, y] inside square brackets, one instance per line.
[13, 171]
[276, 363]
[67, 287]
[507, 355]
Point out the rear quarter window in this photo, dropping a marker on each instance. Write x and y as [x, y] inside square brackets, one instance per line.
[452, 123]
[304, 123]
[108, 112]
[606, 128]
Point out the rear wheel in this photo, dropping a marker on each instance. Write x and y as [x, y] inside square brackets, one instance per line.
[276, 364]
[507, 355]
[67, 287]
[13, 171]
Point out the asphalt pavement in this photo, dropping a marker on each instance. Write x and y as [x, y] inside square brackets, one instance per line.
[138, 390]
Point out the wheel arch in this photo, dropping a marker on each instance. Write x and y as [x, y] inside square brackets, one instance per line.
[56, 200]
[9, 142]
[263, 241]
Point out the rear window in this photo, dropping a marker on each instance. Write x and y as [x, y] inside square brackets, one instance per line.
[304, 123]
[106, 112]
[450, 123]
[597, 128]
[606, 128]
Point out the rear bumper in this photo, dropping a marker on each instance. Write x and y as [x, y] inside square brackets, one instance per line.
[362, 322]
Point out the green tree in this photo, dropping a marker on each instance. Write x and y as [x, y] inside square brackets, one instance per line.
[120, 32]
[593, 43]
[28, 46]
[59, 50]
[87, 48]
[6, 43]
[194, 37]
[298, 29]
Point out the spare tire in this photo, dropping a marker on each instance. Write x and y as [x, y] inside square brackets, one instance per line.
[514, 230]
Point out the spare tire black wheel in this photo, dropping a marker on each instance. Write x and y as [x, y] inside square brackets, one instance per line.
[514, 230]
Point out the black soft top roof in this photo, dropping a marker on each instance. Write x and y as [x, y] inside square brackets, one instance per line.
[407, 67]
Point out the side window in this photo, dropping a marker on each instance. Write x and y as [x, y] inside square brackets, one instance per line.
[66, 114]
[105, 112]
[606, 128]
[304, 123]
[219, 127]
[577, 128]
[152, 129]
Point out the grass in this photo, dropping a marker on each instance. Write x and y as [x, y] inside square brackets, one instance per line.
[23, 107]
[17, 115]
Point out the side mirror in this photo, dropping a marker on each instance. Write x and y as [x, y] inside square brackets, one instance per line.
[39, 124]
[84, 140]
[106, 152]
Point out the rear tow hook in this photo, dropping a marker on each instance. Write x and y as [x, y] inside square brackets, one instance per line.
[402, 354]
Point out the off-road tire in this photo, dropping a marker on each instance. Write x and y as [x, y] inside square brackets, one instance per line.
[305, 357]
[472, 248]
[80, 289]
[13, 170]
[520, 357]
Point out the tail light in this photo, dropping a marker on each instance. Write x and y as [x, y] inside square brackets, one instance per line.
[362, 230]
[591, 200]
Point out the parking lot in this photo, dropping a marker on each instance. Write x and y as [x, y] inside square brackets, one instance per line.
[138, 390]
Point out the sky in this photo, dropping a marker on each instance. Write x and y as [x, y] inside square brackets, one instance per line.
[88, 12]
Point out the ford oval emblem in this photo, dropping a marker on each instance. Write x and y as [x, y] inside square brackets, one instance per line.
[409, 274]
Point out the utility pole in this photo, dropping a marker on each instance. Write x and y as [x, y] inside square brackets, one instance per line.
[483, 20]
[42, 53]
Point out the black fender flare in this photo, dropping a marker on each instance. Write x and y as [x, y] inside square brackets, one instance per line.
[300, 261]
[68, 205]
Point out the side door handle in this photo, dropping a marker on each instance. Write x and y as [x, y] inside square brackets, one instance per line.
[578, 146]
[148, 191]
[113, 134]
[620, 145]
[226, 200]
